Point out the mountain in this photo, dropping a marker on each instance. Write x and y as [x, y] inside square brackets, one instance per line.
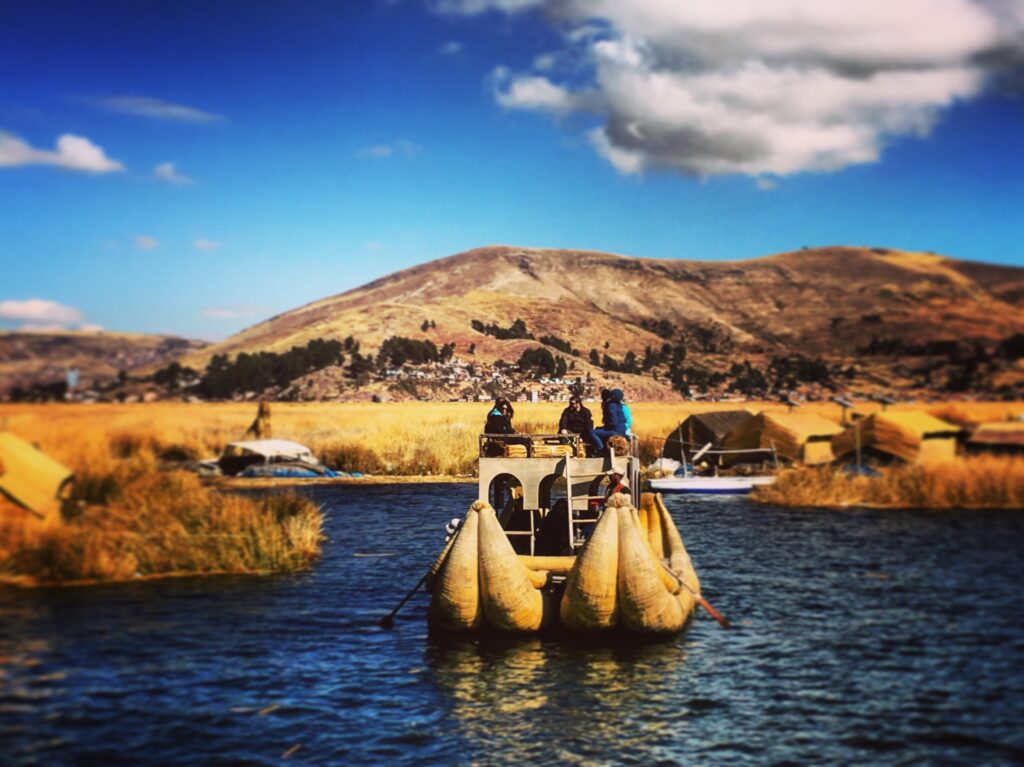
[30, 358]
[840, 303]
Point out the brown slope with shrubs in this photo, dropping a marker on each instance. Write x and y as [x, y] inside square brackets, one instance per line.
[828, 301]
[33, 357]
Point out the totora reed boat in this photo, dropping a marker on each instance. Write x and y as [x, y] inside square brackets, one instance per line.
[558, 540]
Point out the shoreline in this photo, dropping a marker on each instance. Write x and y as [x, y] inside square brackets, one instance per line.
[27, 582]
[378, 479]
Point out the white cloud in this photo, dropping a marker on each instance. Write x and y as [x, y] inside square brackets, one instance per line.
[473, 7]
[201, 243]
[761, 87]
[71, 153]
[241, 311]
[39, 312]
[373, 246]
[451, 48]
[537, 93]
[545, 62]
[166, 171]
[766, 184]
[157, 109]
[145, 242]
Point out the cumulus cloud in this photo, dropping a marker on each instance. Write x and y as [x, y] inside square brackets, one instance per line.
[156, 109]
[166, 171]
[39, 312]
[533, 92]
[145, 242]
[761, 86]
[71, 153]
[201, 243]
[242, 311]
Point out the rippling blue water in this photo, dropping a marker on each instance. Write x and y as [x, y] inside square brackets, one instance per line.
[860, 637]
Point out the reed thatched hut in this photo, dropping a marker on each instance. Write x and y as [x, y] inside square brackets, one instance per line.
[701, 428]
[29, 478]
[910, 436]
[1003, 438]
[802, 437]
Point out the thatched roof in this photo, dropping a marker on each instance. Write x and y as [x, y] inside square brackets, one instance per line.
[1005, 434]
[29, 477]
[789, 434]
[701, 428]
[909, 435]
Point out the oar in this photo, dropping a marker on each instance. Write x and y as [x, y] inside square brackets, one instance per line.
[388, 621]
[721, 619]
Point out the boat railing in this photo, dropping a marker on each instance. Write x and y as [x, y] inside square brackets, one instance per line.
[530, 445]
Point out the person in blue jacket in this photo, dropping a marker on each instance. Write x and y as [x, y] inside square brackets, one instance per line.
[614, 418]
[626, 412]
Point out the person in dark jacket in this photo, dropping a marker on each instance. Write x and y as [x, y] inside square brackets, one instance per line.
[614, 421]
[577, 419]
[499, 419]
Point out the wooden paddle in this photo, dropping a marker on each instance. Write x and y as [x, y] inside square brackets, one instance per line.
[719, 618]
[388, 621]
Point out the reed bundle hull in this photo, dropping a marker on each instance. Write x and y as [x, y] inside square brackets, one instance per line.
[633, 574]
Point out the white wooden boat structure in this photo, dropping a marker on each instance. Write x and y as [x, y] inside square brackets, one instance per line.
[708, 485]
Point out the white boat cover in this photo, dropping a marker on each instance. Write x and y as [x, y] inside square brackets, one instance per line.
[270, 448]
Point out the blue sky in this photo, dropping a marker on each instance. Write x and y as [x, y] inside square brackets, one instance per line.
[237, 159]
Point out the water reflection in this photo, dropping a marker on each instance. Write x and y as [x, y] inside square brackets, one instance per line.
[560, 698]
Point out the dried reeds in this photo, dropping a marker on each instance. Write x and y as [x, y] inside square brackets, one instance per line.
[455, 597]
[645, 604]
[407, 438]
[981, 482]
[590, 599]
[508, 596]
[154, 524]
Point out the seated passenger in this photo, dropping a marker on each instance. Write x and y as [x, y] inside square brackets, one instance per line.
[614, 418]
[499, 419]
[627, 413]
[577, 419]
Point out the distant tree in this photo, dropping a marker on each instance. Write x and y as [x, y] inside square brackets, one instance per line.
[538, 362]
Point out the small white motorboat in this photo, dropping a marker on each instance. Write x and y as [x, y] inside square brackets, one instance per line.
[708, 485]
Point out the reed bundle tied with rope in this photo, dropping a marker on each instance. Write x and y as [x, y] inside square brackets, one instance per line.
[455, 591]
[508, 596]
[645, 604]
[478, 580]
[589, 602]
[633, 572]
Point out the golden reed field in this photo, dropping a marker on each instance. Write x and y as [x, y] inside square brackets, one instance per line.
[407, 438]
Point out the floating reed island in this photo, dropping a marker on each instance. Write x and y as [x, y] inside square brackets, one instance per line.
[633, 573]
[972, 482]
[115, 515]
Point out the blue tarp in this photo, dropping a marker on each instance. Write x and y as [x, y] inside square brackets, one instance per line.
[286, 471]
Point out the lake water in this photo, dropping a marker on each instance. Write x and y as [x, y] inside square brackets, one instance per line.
[861, 637]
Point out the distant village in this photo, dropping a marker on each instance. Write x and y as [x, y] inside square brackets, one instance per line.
[417, 369]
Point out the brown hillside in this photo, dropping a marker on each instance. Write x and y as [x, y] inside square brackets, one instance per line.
[828, 301]
[27, 358]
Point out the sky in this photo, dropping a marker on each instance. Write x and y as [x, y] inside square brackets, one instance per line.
[193, 168]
